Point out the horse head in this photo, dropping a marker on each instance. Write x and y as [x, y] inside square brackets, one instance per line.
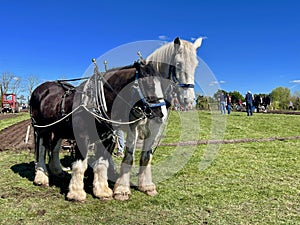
[148, 86]
[177, 61]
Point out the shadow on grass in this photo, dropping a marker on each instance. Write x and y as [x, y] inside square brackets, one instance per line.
[27, 170]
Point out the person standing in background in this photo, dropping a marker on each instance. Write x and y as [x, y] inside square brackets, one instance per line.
[120, 143]
[249, 103]
[228, 100]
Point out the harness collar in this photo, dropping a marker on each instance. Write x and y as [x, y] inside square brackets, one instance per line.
[147, 106]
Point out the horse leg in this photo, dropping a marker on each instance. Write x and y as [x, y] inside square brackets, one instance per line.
[76, 186]
[100, 183]
[54, 162]
[122, 185]
[145, 183]
[41, 173]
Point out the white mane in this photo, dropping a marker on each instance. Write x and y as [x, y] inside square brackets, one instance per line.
[166, 53]
[162, 54]
[181, 54]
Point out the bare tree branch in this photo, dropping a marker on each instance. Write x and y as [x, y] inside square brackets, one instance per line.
[32, 82]
[5, 82]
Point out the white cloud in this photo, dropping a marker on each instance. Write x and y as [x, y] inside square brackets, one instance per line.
[212, 83]
[295, 81]
[163, 37]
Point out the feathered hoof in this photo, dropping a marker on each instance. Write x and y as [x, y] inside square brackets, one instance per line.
[104, 196]
[106, 199]
[41, 179]
[77, 197]
[121, 196]
[122, 192]
[149, 190]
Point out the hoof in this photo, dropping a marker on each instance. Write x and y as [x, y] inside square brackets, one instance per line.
[77, 197]
[41, 179]
[105, 199]
[103, 195]
[151, 192]
[122, 193]
[121, 196]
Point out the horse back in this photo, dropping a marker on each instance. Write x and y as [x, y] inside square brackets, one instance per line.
[50, 101]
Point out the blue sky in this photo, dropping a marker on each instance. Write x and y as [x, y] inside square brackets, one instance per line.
[252, 45]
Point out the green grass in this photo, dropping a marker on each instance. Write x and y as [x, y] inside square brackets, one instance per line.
[245, 183]
[236, 126]
[10, 121]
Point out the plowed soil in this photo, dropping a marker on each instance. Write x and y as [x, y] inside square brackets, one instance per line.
[13, 137]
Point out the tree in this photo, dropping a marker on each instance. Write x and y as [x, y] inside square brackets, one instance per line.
[5, 82]
[31, 82]
[15, 85]
[296, 100]
[235, 96]
[9, 83]
[202, 102]
[282, 96]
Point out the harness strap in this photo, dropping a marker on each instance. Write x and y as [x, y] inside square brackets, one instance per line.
[68, 90]
[186, 85]
[63, 103]
[92, 113]
[76, 79]
[172, 76]
[153, 105]
[142, 97]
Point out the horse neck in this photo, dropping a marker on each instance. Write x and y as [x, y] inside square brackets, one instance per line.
[116, 81]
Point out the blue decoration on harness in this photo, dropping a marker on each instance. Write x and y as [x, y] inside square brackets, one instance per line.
[186, 85]
[172, 76]
[142, 97]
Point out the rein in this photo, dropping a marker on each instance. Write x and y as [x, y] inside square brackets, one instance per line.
[92, 113]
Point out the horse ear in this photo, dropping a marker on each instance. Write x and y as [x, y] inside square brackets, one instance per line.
[198, 43]
[177, 41]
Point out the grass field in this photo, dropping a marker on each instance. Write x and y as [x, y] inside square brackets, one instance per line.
[242, 183]
[8, 122]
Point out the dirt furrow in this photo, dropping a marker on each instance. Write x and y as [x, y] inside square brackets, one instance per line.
[13, 137]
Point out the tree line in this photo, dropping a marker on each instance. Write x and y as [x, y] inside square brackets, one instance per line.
[280, 99]
[22, 87]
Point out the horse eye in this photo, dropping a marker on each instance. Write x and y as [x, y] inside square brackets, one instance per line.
[178, 65]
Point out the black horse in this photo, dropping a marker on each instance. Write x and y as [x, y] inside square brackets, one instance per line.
[261, 102]
[125, 97]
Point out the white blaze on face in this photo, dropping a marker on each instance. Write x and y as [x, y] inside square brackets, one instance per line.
[189, 95]
[158, 90]
[186, 62]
